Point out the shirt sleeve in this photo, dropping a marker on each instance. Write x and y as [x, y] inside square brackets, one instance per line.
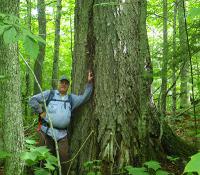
[36, 100]
[77, 100]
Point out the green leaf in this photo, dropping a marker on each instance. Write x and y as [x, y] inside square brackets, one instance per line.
[2, 76]
[31, 47]
[4, 154]
[52, 160]
[9, 35]
[161, 172]
[194, 12]
[88, 164]
[173, 158]
[42, 150]
[91, 173]
[30, 142]
[3, 27]
[41, 171]
[153, 165]
[136, 171]
[198, 135]
[194, 164]
[37, 38]
[29, 157]
[49, 166]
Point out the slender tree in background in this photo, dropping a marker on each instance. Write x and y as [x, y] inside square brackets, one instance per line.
[112, 41]
[174, 99]
[10, 101]
[56, 45]
[184, 55]
[146, 72]
[27, 75]
[165, 60]
[42, 32]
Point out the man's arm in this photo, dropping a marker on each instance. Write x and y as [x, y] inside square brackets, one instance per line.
[77, 100]
[36, 100]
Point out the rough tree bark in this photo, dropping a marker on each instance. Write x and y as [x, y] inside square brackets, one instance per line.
[56, 45]
[10, 101]
[42, 32]
[111, 40]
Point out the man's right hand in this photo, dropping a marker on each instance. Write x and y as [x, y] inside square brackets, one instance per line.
[43, 114]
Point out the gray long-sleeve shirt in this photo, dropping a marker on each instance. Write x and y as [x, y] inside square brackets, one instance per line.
[58, 111]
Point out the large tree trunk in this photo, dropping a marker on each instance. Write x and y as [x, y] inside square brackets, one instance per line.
[10, 101]
[42, 32]
[184, 97]
[56, 45]
[112, 40]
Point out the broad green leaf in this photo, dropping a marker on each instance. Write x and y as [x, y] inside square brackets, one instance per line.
[4, 154]
[42, 150]
[29, 157]
[3, 27]
[194, 164]
[31, 47]
[9, 35]
[161, 172]
[91, 173]
[32, 36]
[51, 159]
[41, 171]
[173, 158]
[136, 171]
[198, 135]
[194, 12]
[2, 76]
[153, 165]
[49, 166]
[88, 164]
[30, 142]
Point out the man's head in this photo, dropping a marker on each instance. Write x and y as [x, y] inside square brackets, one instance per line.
[63, 85]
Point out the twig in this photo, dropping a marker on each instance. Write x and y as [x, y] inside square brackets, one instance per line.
[72, 159]
[51, 125]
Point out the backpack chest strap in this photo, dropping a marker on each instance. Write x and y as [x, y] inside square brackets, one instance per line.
[64, 101]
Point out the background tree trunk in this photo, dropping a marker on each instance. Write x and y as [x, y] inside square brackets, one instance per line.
[10, 101]
[184, 97]
[165, 61]
[56, 45]
[42, 32]
[27, 76]
[174, 62]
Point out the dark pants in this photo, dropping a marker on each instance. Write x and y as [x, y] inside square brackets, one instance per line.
[63, 148]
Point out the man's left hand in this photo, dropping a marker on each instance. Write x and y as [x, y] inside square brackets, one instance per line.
[90, 76]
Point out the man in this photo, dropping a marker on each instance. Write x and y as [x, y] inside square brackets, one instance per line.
[59, 108]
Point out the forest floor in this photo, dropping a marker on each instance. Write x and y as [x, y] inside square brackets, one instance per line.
[184, 126]
[188, 129]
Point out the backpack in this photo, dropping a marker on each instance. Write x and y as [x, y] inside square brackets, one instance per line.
[50, 98]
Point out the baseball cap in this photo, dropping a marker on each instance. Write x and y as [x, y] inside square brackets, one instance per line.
[63, 77]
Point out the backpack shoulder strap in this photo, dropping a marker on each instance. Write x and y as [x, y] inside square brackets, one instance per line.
[70, 100]
[50, 97]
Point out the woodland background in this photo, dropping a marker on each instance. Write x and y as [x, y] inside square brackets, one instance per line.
[173, 29]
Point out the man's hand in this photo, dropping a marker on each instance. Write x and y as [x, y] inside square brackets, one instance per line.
[90, 76]
[43, 114]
